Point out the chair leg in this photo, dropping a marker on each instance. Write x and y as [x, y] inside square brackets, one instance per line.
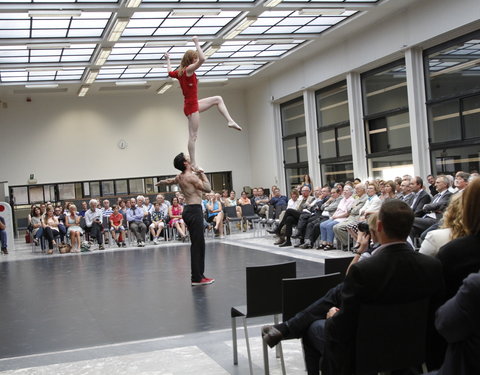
[276, 320]
[234, 341]
[424, 368]
[282, 360]
[248, 346]
[266, 365]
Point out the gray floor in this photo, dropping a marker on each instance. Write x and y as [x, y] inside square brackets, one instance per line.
[46, 339]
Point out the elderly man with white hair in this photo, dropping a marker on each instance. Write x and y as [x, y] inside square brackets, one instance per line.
[93, 222]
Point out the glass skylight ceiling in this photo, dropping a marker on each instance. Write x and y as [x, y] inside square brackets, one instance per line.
[64, 44]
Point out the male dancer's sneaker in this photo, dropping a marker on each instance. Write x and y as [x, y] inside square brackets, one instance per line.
[204, 281]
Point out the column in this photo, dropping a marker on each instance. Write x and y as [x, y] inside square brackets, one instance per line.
[312, 137]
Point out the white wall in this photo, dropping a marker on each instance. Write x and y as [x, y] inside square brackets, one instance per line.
[424, 23]
[74, 139]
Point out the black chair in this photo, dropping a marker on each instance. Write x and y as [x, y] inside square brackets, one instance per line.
[231, 217]
[298, 294]
[264, 297]
[333, 265]
[248, 214]
[391, 337]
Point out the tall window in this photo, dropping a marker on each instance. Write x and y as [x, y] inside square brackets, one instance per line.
[387, 126]
[334, 139]
[294, 138]
[453, 100]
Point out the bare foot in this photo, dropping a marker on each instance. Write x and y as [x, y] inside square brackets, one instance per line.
[234, 125]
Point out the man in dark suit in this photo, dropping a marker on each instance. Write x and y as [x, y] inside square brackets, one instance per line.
[420, 196]
[457, 322]
[393, 274]
[431, 213]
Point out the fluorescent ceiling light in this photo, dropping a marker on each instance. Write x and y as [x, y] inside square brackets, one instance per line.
[212, 80]
[132, 3]
[196, 12]
[44, 69]
[117, 29]
[49, 46]
[83, 90]
[42, 86]
[54, 13]
[272, 3]
[164, 88]
[231, 63]
[131, 83]
[272, 41]
[320, 12]
[91, 76]
[166, 43]
[211, 50]
[103, 56]
[240, 27]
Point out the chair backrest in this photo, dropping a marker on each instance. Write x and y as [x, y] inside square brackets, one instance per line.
[248, 211]
[333, 265]
[297, 294]
[391, 337]
[264, 288]
[230, 212]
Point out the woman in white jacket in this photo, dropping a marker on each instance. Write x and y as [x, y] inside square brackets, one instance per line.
[451, 228]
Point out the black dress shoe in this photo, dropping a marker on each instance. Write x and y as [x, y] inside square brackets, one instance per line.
[285, 244]
[299, 244]
[271, 336]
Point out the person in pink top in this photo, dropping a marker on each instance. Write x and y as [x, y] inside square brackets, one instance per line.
[191, 61]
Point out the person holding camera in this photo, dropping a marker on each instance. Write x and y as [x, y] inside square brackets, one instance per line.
[94, 222]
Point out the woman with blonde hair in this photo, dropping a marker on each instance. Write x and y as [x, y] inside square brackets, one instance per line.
[451, 228]
[191, 61]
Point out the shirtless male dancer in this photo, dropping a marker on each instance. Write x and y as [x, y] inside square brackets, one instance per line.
[192, 183]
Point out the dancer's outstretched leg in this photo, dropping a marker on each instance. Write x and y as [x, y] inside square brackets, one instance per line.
[193, 125]
[206, 103]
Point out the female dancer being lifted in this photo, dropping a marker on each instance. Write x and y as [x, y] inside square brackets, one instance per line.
[191, 61]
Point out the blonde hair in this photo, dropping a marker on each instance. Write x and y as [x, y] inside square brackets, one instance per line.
[187, 59]
[453, 217]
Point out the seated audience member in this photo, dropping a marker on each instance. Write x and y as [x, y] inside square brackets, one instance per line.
[84, 209]
[148, 204]
[398, 187]
[406, 192]
[128, 205]
[278, 203]
[58, 212]
[328, 326]
[3, 236]
[135, 215]
[93, 222]
[312, 231]
[457, 321]
[106, 209]
[175, 213]
[371, 206]
[122, 207]
[431, 185]
[341, 214]
[433, 212]
[461, 256]
[224, 198]
[50, 228]
[291, 216]
[231, 201]
[340, 229]
[261, 200]
[158, 222]
[116, 226]
[388, 191]
[451, 228]
[244, 199]
[146, 214]
[420, 196]
[292, 202]
[308, 214]
[74, 231]
[160, 199]
[461, 181]
[215, 214]
[36, 225]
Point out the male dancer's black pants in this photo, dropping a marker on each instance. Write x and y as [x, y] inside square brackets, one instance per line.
[193, 218]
